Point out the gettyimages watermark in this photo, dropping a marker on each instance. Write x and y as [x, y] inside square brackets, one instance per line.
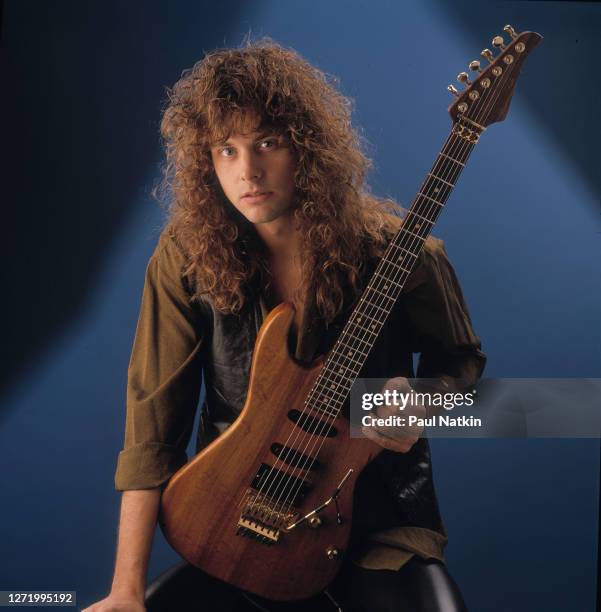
[494, 408]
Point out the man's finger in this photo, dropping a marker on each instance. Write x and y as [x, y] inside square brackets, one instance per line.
[397, 445]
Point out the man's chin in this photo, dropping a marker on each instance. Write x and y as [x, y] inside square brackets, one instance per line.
[260, 217]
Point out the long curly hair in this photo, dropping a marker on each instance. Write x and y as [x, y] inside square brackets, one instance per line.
[342, 224]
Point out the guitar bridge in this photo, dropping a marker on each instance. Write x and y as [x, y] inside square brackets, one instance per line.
[262, 518]
[259, 531]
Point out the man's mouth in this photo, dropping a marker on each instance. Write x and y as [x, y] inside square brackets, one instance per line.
[256, 196]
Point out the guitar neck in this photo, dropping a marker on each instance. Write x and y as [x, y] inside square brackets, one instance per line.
[358, 336]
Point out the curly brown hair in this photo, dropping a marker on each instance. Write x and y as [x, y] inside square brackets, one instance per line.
[342, 224]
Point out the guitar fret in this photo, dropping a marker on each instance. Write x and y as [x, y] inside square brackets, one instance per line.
[452, 159]
[414, 214]
[321, 403]
[333, 406]
[441, 180]
[363, 314]
[379, 308]
[433, 189]
[396, 246]
[339, 388]
[451, 172]
[423, 195]
[359, 329]
[334, 403]
[364, 329]
[325, 411]
[356, 365]
[413, 234]
[382, 294]
[336, 382]
[340, 366]
[388, 280]
[354, 348]
[332, 389]
[354, 339]
[336, 353]
[365, 345]
[396, 265]
[329, 405]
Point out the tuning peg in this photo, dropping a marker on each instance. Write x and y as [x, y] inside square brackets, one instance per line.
[475, 65]
[463, 77]
[453, 90]
[487, 53]
[510, 31]
[498, 42]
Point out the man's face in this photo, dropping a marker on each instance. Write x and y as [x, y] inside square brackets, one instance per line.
[256, 172]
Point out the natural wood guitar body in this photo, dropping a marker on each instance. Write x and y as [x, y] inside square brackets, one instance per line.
[204, 502]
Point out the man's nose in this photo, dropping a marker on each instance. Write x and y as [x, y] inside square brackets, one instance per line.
[250, 167]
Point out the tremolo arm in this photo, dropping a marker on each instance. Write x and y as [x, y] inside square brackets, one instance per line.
[332, 498]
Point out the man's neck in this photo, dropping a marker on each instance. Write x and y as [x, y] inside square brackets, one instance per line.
[281, 238]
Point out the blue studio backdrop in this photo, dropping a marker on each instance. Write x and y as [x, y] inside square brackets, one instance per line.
[84, 88]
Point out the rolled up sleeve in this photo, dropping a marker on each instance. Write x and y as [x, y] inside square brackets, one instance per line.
[164, 375]
[442, 331]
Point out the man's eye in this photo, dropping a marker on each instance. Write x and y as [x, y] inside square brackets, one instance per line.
[269, 143]
[226, 151]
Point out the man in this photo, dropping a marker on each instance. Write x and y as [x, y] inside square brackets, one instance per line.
[265, 177]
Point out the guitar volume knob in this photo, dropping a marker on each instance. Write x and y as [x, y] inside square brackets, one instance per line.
[332, 553]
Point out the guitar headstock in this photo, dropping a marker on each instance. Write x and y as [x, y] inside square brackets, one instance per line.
[486, 98]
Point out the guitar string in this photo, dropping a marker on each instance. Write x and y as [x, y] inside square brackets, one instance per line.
[332, 391]
[428, 183]
[336, 385]
[456, 152]
[425, 189]
[464, 147]
[369, 308]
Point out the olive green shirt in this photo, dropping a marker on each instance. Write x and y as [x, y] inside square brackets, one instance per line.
[164, 379]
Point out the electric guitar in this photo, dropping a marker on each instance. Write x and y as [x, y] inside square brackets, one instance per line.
[267, 506]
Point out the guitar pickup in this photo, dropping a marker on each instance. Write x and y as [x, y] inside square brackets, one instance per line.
[278, 484]
[293, 457]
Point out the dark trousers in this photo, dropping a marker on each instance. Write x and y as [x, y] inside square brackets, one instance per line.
[419, 586]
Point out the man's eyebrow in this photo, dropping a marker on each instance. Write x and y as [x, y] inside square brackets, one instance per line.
[258, 135]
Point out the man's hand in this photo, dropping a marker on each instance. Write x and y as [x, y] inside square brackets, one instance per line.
[397, 438]
[116, 602]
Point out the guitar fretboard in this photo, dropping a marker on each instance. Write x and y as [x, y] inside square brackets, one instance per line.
[358, 336]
